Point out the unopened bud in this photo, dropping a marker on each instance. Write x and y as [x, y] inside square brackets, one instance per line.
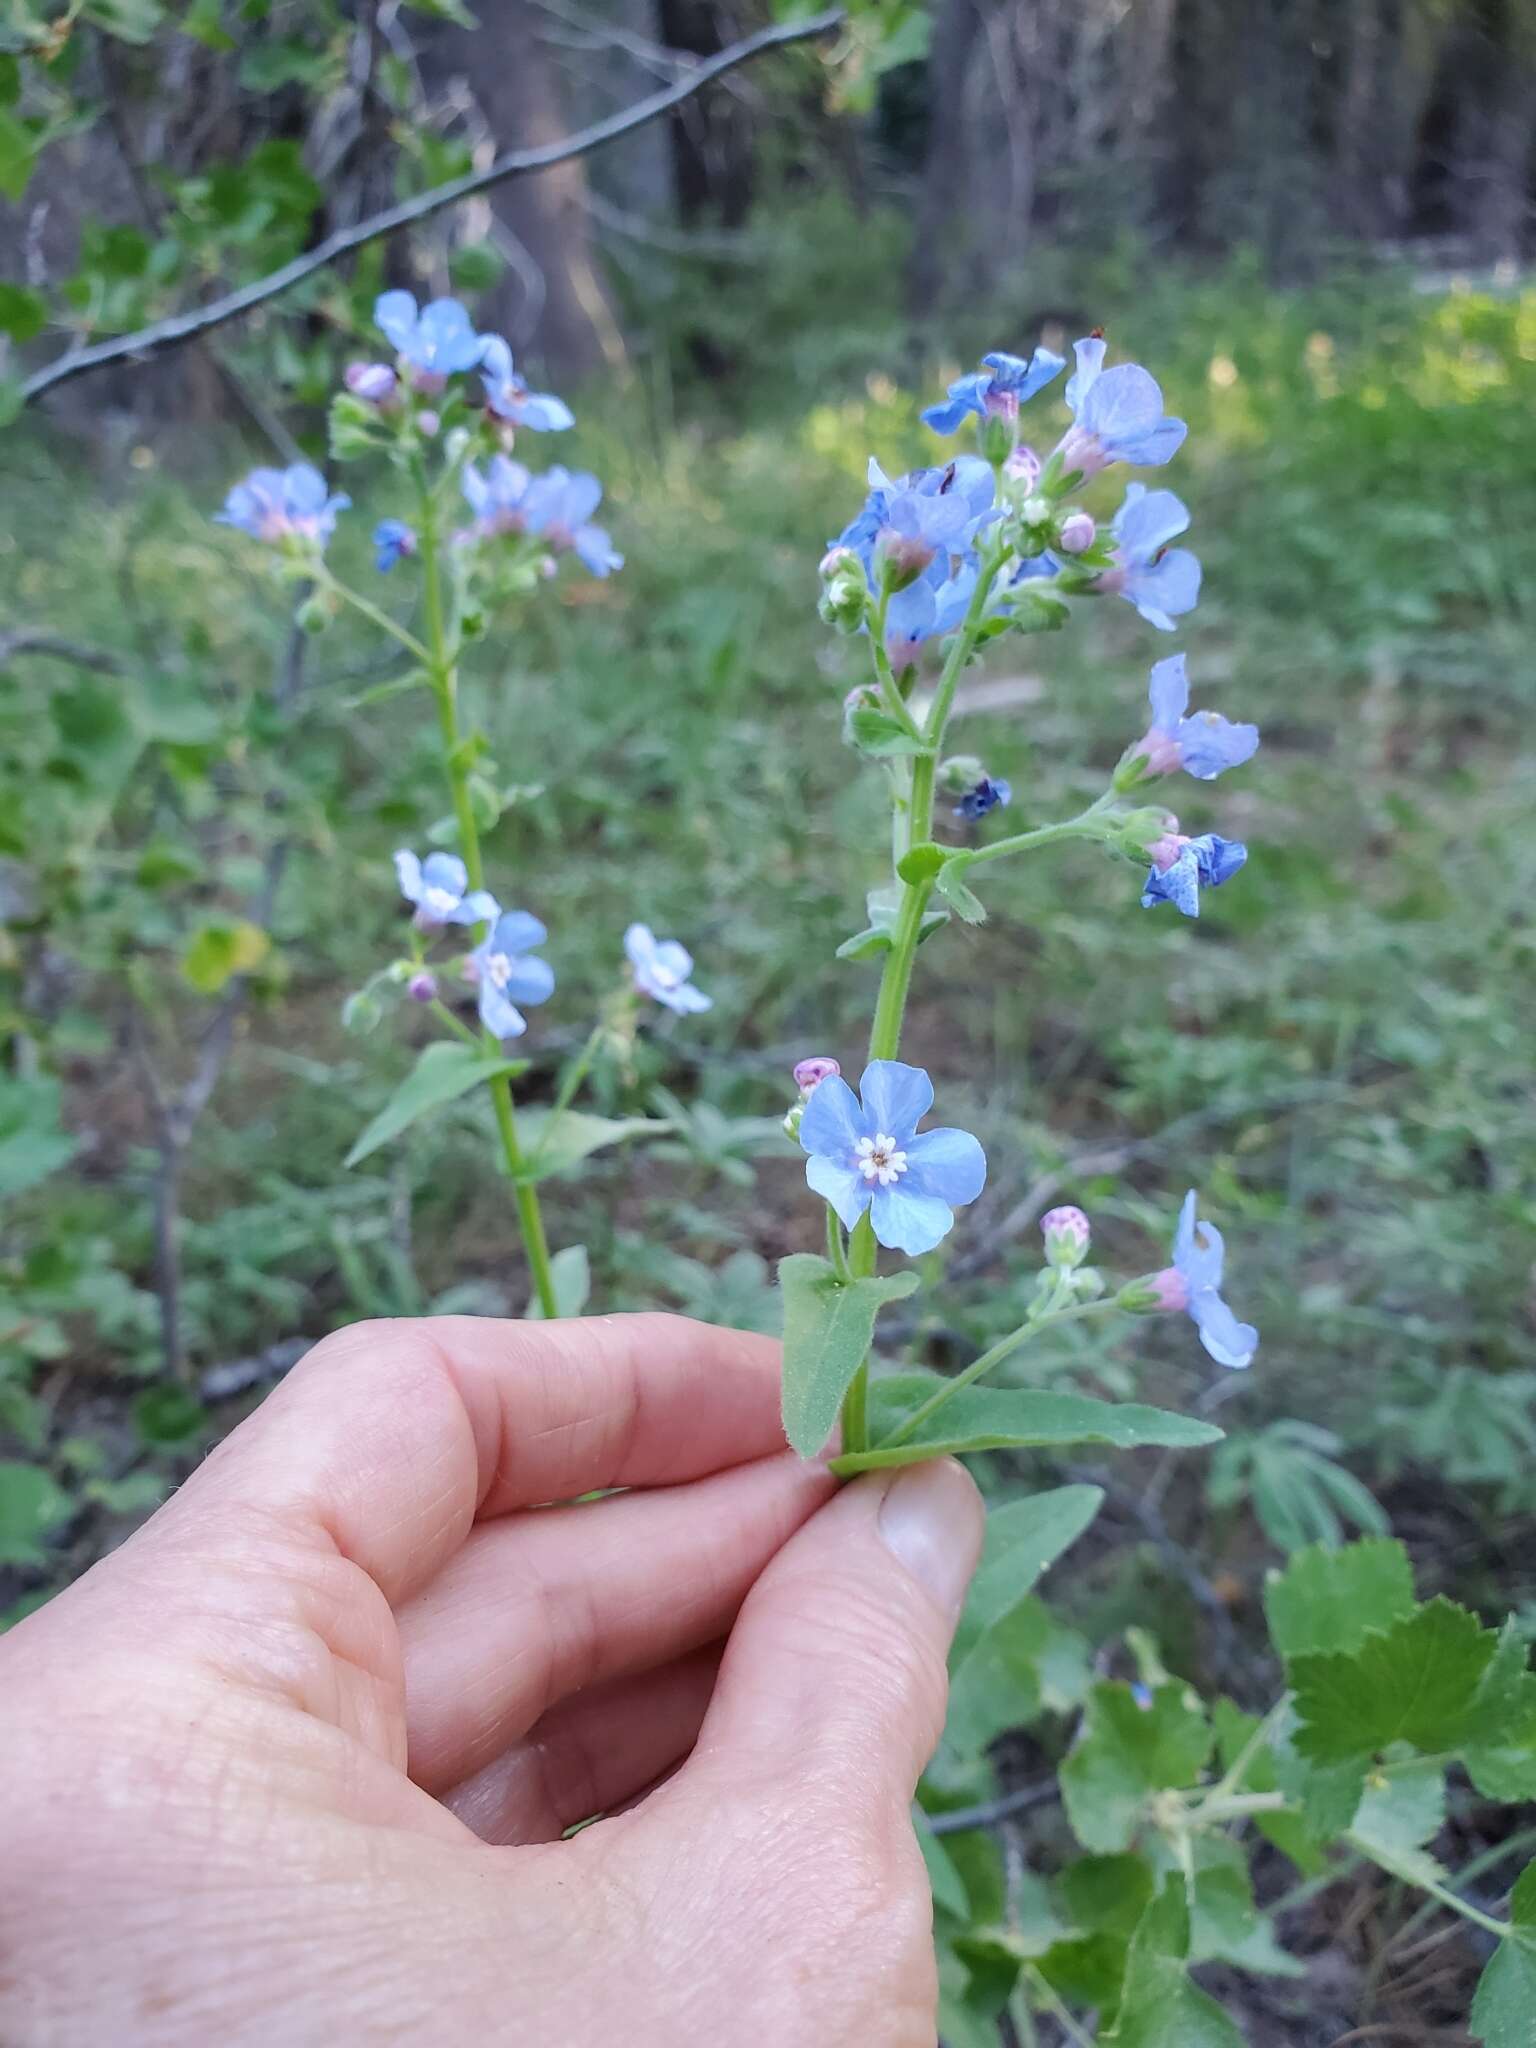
[1139, 833]
[1155, 1294]
[1078, 534]
[998, 430]
[375, 382]
[793, 1117]
[422, 987]
[1066, 1232]
[427, 423]
[810, 1073]
[901, 558]
[1023, 467]
[960, 773]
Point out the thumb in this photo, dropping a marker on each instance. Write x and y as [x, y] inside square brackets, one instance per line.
[834, 1677]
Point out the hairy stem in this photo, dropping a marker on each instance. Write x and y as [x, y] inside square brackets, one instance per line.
[442, 667]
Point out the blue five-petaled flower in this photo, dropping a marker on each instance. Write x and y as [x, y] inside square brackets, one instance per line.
[437, 340]
[1202, 744]
[983, 796]
[663, 970]
[274, 504]
[866, 1153]
[1161, 581]
[507, 394]
[1000, 387]
[1182, 867]
[1193, 1284]
[1118, 415]
[508, 972]
[439, 888]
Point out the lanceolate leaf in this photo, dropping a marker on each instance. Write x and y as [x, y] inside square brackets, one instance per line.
[999, 1418]
[554, 1145]
[828, 1327]
[443, 1072]
[571, 1271]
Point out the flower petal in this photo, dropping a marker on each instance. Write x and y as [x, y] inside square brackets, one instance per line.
[532, 979]
[1169, 693]
[545, 413]
[895, 1097]
[408, 874]
[947, 1163]
[640, 945]
[499, 1016]
[1229, 1342]
[394, 314]
[517, 931]
[842, 1186]
[445, 871]
[833, 1122]
[908, 1223]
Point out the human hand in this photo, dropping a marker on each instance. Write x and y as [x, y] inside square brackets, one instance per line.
[292, 1765]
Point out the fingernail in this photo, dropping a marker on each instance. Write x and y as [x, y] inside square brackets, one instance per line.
[932, 1519]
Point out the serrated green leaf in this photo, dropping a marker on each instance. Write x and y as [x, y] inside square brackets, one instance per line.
[1417, 1682]
[998, 1418]
[1506, 1994]
[571, 1271]
[1124, 1753]
[554, 1145]
[829, 1325]
[1328, 1600]
[1402, 1807]
[1159, 2007]
[1503, 1766]
[443, 1072]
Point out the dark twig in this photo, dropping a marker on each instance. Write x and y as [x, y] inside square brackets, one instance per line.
[54, 647]
[181, 327]
[990, 1811]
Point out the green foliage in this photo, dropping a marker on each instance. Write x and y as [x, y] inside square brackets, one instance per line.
[1506, 1995]
[1126, 1753]
[829, 1325]
[1000, 1418]
[443, 1072]
[1299, 1493]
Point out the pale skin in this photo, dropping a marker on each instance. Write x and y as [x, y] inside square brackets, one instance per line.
[293, 1765]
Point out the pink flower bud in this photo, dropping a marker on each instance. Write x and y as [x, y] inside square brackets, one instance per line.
[1066, 1232]
[1163, 751]
[1023, 467]
[1171, 1290]
[422, 988]
[428, 422]
[835, 559]
[810, 1073]
[375, 382]
[1078, 533]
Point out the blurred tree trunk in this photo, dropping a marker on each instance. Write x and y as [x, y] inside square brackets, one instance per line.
[508, 71]
[712, 135]
[956, 32]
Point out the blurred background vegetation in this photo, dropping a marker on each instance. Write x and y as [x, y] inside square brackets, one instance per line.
[1309, 217]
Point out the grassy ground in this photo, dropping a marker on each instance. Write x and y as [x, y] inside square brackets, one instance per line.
[1338, 1054]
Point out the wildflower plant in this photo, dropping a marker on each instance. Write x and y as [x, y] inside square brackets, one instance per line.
[479, 528]
[936, 566]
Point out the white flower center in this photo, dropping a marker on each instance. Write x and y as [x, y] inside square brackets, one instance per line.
[437, 901]
[499, 967]
[878, 1159]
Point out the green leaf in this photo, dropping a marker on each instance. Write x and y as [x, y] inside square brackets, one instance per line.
[1289, 1832]
[554, 1144]
[1328, 1600]
[1506, 1994]
[828, 1327]
[19, 144]
[443, 1072]
[876, 732]
[1417, 1682]
[1159, 2007]
[31, 1143]
[571, 1271]
[945, 1881]
[168, 1415]
[865, 945]
[1000, 1418]
[1402, 1807]
[220, 950]
[30, 1505]
[1126, 1752]
[962, 901]
[1023, 1538]
[921, 861]
[23, 313]
[1225, 1924]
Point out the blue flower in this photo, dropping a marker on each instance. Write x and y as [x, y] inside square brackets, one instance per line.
[929, 608]
[866, 1152]
[1182, 867]
[910, 520]
[439, 888]
[1161, 581]
[509, 398]
[986, 796]
[1203, 745]
[999, 389]
[276, 504]
[507, 972]
[498, 498]
[1192, 1285]
[1119, 415]
[392, 538]
[436, 341]
[558, 507]
[663, 970]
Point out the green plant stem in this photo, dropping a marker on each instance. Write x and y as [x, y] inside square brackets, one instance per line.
[574, 1075]
[979, 1367]
[837, 1251]
[1421, 1882]
[1046, 1992]
[375, 616]
[1232, 1779]
[449, 1022]
[442, 669]
[1083, 826]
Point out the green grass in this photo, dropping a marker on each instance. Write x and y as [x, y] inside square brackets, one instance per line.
[1338, 1054]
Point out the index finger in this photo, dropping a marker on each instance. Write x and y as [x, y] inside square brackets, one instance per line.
[391, 1439]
